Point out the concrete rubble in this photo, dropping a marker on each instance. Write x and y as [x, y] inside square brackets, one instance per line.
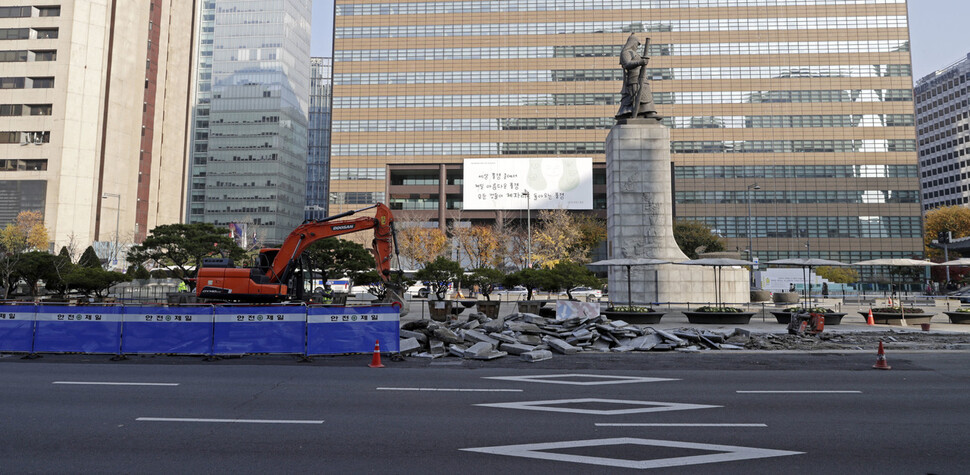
[535, 338]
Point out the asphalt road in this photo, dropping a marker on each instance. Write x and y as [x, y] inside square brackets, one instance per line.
[717, 413]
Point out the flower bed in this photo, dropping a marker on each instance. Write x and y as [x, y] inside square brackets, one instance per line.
[895, 315]
[960, 315]
[831, 316]
[633, 314]
[719, 316]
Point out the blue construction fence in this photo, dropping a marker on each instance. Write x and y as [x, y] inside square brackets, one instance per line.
[198, 329]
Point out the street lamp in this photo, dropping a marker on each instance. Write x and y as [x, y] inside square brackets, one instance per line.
[751, 187]
[528, 222]
[105, 196]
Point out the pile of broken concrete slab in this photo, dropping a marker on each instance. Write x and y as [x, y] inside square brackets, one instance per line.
[535, 338]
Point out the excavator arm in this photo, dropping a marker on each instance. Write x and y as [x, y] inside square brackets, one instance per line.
[310, 232]
[268, 281]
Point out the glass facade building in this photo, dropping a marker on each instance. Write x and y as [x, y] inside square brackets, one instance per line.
[318, 158]
[811, 100]
[943, 128]
[250, 123]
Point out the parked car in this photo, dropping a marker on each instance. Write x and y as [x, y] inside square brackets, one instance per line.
[513, 293]
[583, 292]
[963, 295]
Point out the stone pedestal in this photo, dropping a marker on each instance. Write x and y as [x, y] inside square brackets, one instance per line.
[640, 224]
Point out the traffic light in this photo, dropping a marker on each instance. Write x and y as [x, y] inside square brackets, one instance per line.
[943, 237]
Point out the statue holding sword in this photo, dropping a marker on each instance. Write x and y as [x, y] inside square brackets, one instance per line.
[637, 98]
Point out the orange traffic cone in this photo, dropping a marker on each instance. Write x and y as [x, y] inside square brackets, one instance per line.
[881, 359]
[870, 320]
[376, 361]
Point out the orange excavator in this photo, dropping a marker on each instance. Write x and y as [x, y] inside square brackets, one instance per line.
[277, 275]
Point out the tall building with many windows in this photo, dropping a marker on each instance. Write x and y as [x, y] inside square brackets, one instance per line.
[249, 139]
[93, 116]
[318, 157]
[792, 120]
[943, 128]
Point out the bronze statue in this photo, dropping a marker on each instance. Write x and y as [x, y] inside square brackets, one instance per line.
[637, 98]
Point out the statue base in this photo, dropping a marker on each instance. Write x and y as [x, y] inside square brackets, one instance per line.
[640, 224]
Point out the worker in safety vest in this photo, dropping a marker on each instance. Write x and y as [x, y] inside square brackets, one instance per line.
[326, 295]
[183, 287]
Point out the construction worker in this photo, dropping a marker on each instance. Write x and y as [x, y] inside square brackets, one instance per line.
[326, 296]
[182, 287]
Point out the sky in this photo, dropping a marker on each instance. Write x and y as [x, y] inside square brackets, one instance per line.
[938, 30]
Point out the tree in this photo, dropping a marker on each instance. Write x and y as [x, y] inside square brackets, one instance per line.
[691, 235]
[839, 275]
[184, 246]
[35, 266]
[567, 275]
[334, 258]
[486, 278]
[421, 245]
[955, 219]
[531, 279]
[90, 259]
[563, 235]
[480, 244]
[439, 273]
[88, 280]
[25, 233]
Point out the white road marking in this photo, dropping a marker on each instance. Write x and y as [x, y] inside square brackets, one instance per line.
[799, 392]
[729, 453]
[106, 383]
[233, 421]
[604, 424]
[457, 390]
[645, 406]
[604, 379]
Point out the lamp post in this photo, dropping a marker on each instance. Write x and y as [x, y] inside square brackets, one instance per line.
[105, 196]
[528, 223]
[751, 187]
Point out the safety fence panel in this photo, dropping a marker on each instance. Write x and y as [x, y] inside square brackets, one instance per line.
[178, 330]
[335, 330]
[16, 327]
[70, 329]
[260, 329]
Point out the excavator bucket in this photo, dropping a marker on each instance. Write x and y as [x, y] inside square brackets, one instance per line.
[395, 296]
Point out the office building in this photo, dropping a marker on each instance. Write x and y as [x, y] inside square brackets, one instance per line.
[942, 123]
[318, 157]
[93, 116]
[249, 139]
[792, 120]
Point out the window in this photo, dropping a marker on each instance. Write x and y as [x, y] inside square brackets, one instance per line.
[15, 12]
[49, 11]
[17, 56]
[11, 83]
[14, 33]
[7, 110]
[42, 83]
[45, 55]
[46, 33]
[40, 109]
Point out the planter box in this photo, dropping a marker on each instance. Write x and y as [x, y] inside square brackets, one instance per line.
[634, 317]
[785, 297]
[896, 318]
[830, 318]
[959, 317]
[760, 295]
[530, 306]
[489, 308]
[719, 318]
[440, 310]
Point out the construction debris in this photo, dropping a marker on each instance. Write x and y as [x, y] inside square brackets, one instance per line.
[535, 338]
